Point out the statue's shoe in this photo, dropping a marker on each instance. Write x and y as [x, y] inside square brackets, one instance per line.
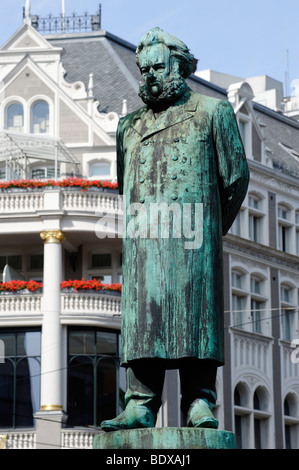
[201, 416]
[136, 415]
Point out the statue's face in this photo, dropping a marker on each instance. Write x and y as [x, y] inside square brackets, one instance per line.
[154, 63]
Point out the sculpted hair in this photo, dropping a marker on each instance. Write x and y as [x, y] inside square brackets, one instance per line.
[178, 49]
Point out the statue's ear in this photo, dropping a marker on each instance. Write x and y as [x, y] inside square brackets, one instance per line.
[175, 64]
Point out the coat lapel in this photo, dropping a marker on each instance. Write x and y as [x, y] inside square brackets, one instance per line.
[145, 123]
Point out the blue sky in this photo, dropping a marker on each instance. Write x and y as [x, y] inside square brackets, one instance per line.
[240, 37]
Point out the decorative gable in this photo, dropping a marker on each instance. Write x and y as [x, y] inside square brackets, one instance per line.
[240, 96]
[27, 38]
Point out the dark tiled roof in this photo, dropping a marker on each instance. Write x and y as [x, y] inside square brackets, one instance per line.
[113, 63]
[110, 64]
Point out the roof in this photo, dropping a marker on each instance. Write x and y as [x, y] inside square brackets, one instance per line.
[116, 77]
[113, 64]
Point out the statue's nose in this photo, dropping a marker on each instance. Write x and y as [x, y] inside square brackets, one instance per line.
[151, 73]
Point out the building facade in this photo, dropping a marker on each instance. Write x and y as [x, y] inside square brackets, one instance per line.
[61, 98]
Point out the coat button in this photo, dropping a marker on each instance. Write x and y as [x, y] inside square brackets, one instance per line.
[141, 200]
[142, 160]
[146, 142]
[176, 139]
[174, 196]
[141, 180]
[175, 158]
[173, 177]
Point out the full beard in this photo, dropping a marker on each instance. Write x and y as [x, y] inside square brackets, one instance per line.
[170, 90]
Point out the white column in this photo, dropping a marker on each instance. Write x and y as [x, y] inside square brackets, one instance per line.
[51, 351]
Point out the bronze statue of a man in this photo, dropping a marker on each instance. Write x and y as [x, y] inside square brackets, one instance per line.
[180, 155]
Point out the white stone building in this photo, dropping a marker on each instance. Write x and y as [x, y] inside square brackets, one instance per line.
[61, 97]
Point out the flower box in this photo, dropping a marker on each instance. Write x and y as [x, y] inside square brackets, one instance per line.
[67, 183]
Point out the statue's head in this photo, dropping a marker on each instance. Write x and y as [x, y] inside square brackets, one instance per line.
[164, 62]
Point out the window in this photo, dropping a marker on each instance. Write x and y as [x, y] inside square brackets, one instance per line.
[297, 232]
[257, 304]
[95, 381]
[100, 170]
[284, 228]
[238, 297]
[20, 377]
[242, 421]
[44, 173]
[237, 279]
[237, 308]
[101, 260]
[236, 227]
[15, 117]
[291, 422]
[40, 123]
[36, 262]
[255, 217]
[2, 174]
[251, 417]
[288, 313]
[14, 261]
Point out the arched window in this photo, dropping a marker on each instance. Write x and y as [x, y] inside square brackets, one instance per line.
[100, 170]
[241, 415]
[291, 422]
[40, 123]
[261, 418]
[14, 119]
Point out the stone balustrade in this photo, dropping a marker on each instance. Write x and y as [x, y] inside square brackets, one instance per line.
[16, 201]
[77, 439]
[90, 304]
[21, 201]
[19, 439]
[73, 304]
[20, 304]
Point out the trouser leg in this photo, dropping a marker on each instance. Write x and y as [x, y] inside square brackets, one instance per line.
[142, 398]
[145, 381]
[198, 389]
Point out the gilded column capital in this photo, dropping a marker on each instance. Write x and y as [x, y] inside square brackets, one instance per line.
[52, 236]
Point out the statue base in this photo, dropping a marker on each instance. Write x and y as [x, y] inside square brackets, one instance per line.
[166, 438]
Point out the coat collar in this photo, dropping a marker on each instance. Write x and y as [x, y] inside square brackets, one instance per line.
[146, 124]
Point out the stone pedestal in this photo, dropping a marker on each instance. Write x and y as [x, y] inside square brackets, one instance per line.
[166, 438]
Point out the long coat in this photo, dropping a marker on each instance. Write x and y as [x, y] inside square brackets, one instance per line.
[172, 298]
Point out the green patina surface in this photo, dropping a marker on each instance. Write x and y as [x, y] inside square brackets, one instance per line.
[166, 438]
[190, 153]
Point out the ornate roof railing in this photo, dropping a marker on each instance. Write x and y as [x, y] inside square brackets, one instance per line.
[66, 24]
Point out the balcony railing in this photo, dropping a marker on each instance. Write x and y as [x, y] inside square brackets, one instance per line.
[90, 304]
[18, 201]
[18, 440]
[96, 306]
[66, 24]
[70, 439]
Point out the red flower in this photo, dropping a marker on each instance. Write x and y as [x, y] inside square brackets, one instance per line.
[68, 182]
